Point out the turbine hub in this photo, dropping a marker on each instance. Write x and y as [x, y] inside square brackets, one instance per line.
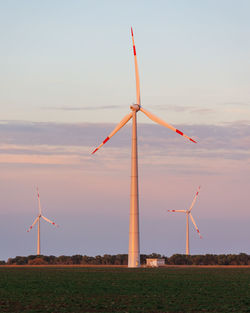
[135, 107]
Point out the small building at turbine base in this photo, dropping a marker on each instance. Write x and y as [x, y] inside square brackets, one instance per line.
[155, 262]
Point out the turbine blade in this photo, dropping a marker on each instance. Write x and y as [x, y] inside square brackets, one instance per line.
[118, 127]
[35, 221]
[161, 122]
[39, 203]
[49, 221]
[195, 197]
[195, 225]
[183, 211]
[138, 96]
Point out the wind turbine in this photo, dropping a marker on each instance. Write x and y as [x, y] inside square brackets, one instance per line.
[188, 213]
[37, 220]
[134, 245]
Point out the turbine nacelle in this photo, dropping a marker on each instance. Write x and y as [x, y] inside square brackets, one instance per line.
[135, 107]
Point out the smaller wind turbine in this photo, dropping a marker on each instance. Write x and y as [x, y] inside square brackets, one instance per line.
[37, 220]
[188, 213]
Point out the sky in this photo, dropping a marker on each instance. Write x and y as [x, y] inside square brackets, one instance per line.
[67, 78]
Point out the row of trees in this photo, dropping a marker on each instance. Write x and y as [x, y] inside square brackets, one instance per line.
[122, 259]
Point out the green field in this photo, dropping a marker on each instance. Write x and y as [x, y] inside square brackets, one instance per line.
[80, 289]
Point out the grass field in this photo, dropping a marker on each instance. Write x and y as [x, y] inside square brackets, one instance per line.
[120, 290]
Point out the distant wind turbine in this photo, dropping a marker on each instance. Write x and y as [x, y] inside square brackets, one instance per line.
[134, 246]
[37, 220]
[188, 213]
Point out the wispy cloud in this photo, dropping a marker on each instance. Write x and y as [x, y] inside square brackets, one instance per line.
[173, 108]
[24, 142]
[235, 103]
[202, 110]
[182, 108]
[84, 108]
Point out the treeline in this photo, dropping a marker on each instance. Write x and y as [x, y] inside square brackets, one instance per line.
[209, 259]
[122, 259]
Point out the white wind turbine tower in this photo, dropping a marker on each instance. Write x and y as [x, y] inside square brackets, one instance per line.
[134, 245]
[188, 213]
[37, 220]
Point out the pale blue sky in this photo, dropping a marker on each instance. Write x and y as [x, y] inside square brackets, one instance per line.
[57, 54]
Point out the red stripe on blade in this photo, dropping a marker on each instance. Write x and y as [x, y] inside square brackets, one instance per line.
[134, 50]
[132, 31]
[179, 132]
[106, 140]
[94, 151]
[192, 140]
